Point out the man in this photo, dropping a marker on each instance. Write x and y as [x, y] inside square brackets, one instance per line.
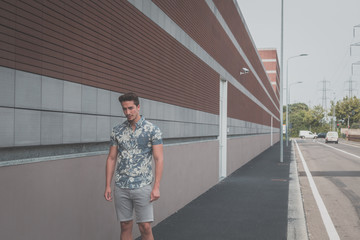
[133, 143]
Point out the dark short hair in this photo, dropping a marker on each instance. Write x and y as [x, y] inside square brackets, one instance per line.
[129, 97]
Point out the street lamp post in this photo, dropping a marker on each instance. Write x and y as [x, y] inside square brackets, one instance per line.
[282, 84]
[333, 118]
[287, 95]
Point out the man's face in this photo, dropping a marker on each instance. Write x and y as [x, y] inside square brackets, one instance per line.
[131, 111]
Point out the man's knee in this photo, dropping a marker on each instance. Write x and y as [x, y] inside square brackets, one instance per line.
[126, 226]
[145, 228]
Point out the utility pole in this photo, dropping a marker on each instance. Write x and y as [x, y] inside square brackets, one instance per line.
[356, 42]
[350, 89]
[356, 27]
[333, 113]
[334, 127]
[324, 97]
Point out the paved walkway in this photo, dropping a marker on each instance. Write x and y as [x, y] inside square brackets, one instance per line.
[252, 203]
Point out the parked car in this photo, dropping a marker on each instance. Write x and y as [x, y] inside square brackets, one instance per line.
[307, 134]
[321, 135]
[332, 137]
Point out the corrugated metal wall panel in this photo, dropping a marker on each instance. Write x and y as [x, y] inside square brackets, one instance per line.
[69, 41]
[246, 109]
[208, 33]
[229, 13]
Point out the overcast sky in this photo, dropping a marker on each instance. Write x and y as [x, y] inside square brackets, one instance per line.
[321, 28]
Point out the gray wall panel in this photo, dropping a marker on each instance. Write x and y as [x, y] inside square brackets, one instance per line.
[145, 108]
[72, 97]
[161, 110]
[88, 99]
[88, 128]
[102, 128]
[27, 90]
[27, 127]
[51, 128]
[115, 104]
[52, 94]
[165, 129]
[103, 102]
[154, 110]
[7, 87]
[72, 128]
[238, 127]
[67, 97]
[115, 121]
[7, 119]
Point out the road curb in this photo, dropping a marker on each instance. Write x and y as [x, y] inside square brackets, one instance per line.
[296, 218]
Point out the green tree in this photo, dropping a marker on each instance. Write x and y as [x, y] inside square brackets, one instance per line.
[297, 112]
[348, 108]
[304, 118]
[296, 107]
[314, 118]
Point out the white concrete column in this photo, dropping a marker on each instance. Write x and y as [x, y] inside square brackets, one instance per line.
[223, 128]
[271, 130]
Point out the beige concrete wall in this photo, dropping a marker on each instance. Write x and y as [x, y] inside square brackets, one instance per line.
[241, 150]
[189, 171]
[63, 199]
[60, 199]
[350, 131]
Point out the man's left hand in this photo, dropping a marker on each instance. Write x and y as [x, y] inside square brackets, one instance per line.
[155, 194]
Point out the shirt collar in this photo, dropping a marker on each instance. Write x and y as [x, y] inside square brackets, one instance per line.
[139, 123]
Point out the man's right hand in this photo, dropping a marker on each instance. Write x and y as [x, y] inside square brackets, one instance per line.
[107, 194]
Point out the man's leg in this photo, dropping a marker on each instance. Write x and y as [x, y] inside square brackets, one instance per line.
[144, 212]
[126, 230]
[146, 231]
[124, 212]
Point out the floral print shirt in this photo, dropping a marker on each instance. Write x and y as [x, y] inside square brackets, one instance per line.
[134, 157]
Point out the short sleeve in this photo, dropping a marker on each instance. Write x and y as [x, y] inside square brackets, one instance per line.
[157, 137]
[113, 141]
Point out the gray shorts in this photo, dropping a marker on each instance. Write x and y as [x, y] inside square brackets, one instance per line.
[128, 199]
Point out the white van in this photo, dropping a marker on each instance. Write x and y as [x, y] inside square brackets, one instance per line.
[332, 137]
[307, 134]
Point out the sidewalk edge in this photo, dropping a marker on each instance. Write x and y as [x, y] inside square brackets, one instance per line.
[296, 218]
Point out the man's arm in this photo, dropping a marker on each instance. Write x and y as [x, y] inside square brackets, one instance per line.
[159, 164]
[110, 168]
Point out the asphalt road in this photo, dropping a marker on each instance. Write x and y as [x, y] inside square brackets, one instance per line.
[329, 176]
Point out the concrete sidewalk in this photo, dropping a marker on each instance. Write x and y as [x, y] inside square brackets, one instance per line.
[252, 203]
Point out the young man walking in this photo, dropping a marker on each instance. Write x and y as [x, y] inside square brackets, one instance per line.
[133, 144]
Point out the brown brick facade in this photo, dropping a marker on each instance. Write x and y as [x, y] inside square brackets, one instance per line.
[112, 45]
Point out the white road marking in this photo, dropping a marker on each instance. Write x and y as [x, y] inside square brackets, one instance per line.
[353, 155]
[329, 225]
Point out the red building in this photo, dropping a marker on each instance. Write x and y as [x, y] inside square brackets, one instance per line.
[271, 64]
